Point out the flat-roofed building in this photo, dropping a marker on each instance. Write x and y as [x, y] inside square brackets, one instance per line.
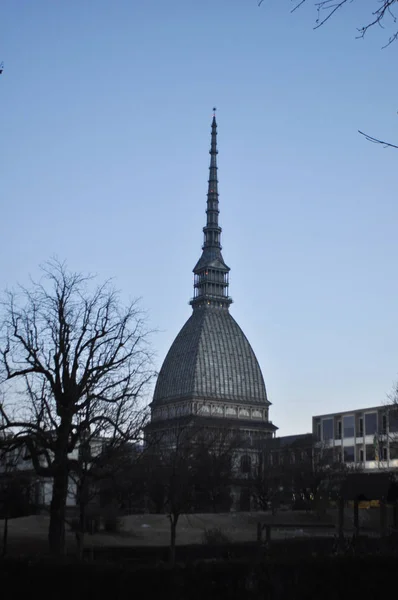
[365, 437]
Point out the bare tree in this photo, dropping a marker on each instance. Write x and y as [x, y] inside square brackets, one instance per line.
[213, 469]
[80, 362]
[193, 467]
[382, 12]
[105, 461]
[174, 474]
[298, 473]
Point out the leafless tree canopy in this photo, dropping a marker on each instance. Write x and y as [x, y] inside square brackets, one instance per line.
[80, 363]
[381, 12]
[80, 355]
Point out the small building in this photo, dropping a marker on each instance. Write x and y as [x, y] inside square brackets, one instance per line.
[289, 450]
[287, 466]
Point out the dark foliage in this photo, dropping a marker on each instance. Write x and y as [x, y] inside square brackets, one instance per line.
[333, 578]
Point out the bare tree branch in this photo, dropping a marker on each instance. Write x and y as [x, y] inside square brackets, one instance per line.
[377, 141]
[327, 8]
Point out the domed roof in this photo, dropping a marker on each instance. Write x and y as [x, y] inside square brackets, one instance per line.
[211, 358]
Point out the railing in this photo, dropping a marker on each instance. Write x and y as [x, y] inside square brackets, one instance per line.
[210, 297]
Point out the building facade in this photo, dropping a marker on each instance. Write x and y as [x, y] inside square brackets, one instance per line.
[17, 465]
[365, 438]
[289, 450]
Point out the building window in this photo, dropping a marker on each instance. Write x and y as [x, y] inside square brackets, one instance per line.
[370, 452]
[360, 422]
[393, 421]
[370, 423]
[361, 453]
[318, 431]
[327, 429]
[349, 426]
[338, 435]
[349, 454]
[245, 463]
[384, 424]
[393, 451]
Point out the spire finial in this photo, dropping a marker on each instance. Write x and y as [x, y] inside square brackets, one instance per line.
[211, 272]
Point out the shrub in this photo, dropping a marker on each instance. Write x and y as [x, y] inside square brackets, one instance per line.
[215, 536]
[91, 524]
[112, 524]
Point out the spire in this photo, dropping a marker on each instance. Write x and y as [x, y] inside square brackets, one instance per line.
[211, 272]
[212, 230]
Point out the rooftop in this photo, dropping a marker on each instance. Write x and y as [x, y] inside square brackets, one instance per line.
[211, 358]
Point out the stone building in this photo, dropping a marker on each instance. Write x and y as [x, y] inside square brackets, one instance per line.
[211, 375]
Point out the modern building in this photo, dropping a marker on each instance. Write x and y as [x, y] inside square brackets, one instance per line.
[367, 437]
[210, 373]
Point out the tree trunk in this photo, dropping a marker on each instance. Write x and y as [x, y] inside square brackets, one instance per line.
[340, 518]
[5, 537]
[56, 534]
[80, 533]
[356, 517]
[173, 535]
[82, 526]
[383, 518]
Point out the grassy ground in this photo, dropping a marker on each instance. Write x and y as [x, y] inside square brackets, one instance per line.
[29, 534]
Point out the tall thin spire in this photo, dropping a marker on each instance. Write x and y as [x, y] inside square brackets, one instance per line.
[211, 272]
[212, 230]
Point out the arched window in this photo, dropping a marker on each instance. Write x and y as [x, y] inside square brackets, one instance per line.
[245, 463]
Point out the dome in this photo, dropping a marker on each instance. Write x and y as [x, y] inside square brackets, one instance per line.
[211, 358]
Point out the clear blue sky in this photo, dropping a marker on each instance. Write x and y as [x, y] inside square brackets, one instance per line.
[105, 132]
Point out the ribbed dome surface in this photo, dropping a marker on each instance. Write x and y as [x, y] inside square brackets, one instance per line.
[211, 358]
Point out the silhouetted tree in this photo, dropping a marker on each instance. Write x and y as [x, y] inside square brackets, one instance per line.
[81, 363]
[295, 473]
[174, 475]
[104, 477]
[213, 462]
[192, 470]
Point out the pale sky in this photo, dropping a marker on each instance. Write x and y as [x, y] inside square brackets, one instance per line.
[104, 136]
